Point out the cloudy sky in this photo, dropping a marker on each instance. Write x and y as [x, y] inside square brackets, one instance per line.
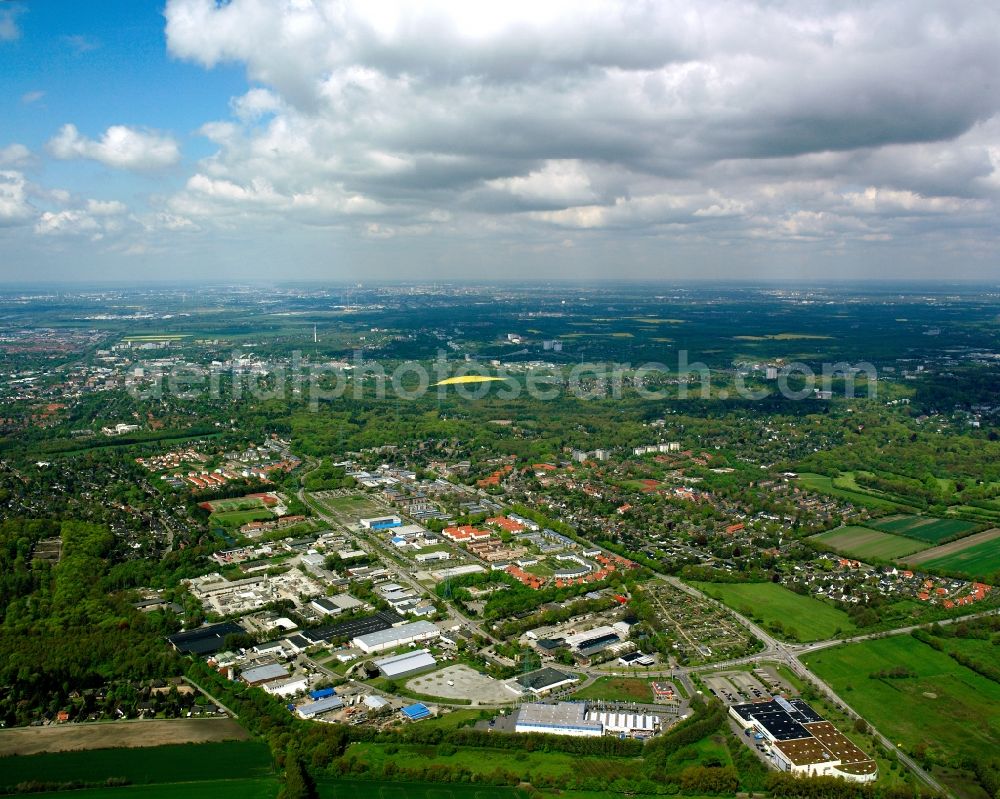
[284, 139]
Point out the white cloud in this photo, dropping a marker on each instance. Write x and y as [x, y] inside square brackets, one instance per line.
[96, 219]
[81, 44]
[256, 103]
[9, 30]
[14, 205]
[217, 198]
[875, 200]
[557, 181]
[169, 222]
[71, 222]
[600, 126]
[598, 116]
[120, 147]
[106, 207]
[14, 155]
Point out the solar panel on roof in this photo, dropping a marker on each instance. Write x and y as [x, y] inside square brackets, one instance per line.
[784, 704]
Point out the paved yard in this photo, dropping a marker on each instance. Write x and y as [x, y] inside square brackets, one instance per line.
[468, 684]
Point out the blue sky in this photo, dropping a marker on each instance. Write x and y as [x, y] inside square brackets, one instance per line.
[348, 140]
[96, 64]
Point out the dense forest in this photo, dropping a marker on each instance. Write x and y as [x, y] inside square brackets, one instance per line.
[61, 630]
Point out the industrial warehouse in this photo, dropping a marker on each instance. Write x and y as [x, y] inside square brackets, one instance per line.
[392, 637]
[406, 664]
[545, 681]
[799, 741]
[573, 718]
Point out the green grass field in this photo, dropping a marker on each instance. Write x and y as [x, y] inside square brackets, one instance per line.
[822, 484]
[924, 528]
[810, 619]
[542, 569]
[361, 789]
[237, 503]
[617, 689]
[352, 505]
[948, 708]
[485, 761]
[864, 543]
[979, 561]
[263, 788]
[229, 760]
[453, 720]
[849, 481]
[238, 518]
[328, 789]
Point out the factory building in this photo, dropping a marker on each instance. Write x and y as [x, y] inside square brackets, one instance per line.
[266, 673]
[799, 741]
[635, 724]
[382, 640]
[319, 707]
[406, 664]
[545, 680]
[381, 522]
[287, 687]
[563, 718]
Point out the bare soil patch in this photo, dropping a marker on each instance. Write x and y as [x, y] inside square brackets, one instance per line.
[114, 734]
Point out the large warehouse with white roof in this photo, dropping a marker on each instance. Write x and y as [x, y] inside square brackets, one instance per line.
[406, 664]
[562, 718]
[573, 718]
[396, 636]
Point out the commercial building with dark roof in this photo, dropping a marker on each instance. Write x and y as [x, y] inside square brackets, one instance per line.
[545, 680]
[801, 742]
[346, 630]
[205, 640]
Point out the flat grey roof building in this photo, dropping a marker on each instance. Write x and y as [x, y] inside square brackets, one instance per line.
[395, 636]
[563, 718]
[265, 673]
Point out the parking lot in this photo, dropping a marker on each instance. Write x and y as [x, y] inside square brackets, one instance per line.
[759, 747]
[735, 687]
[775, 683]
[462, 682]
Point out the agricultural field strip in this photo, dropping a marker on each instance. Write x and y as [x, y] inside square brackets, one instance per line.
[124, 734]
[864, 542]
[260, 788]
[923, 528]
[953, 548]
[153, 764]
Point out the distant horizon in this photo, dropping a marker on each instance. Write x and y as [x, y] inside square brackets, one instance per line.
[560, 282]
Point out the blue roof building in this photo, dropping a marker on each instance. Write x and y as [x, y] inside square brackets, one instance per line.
[416, 712]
